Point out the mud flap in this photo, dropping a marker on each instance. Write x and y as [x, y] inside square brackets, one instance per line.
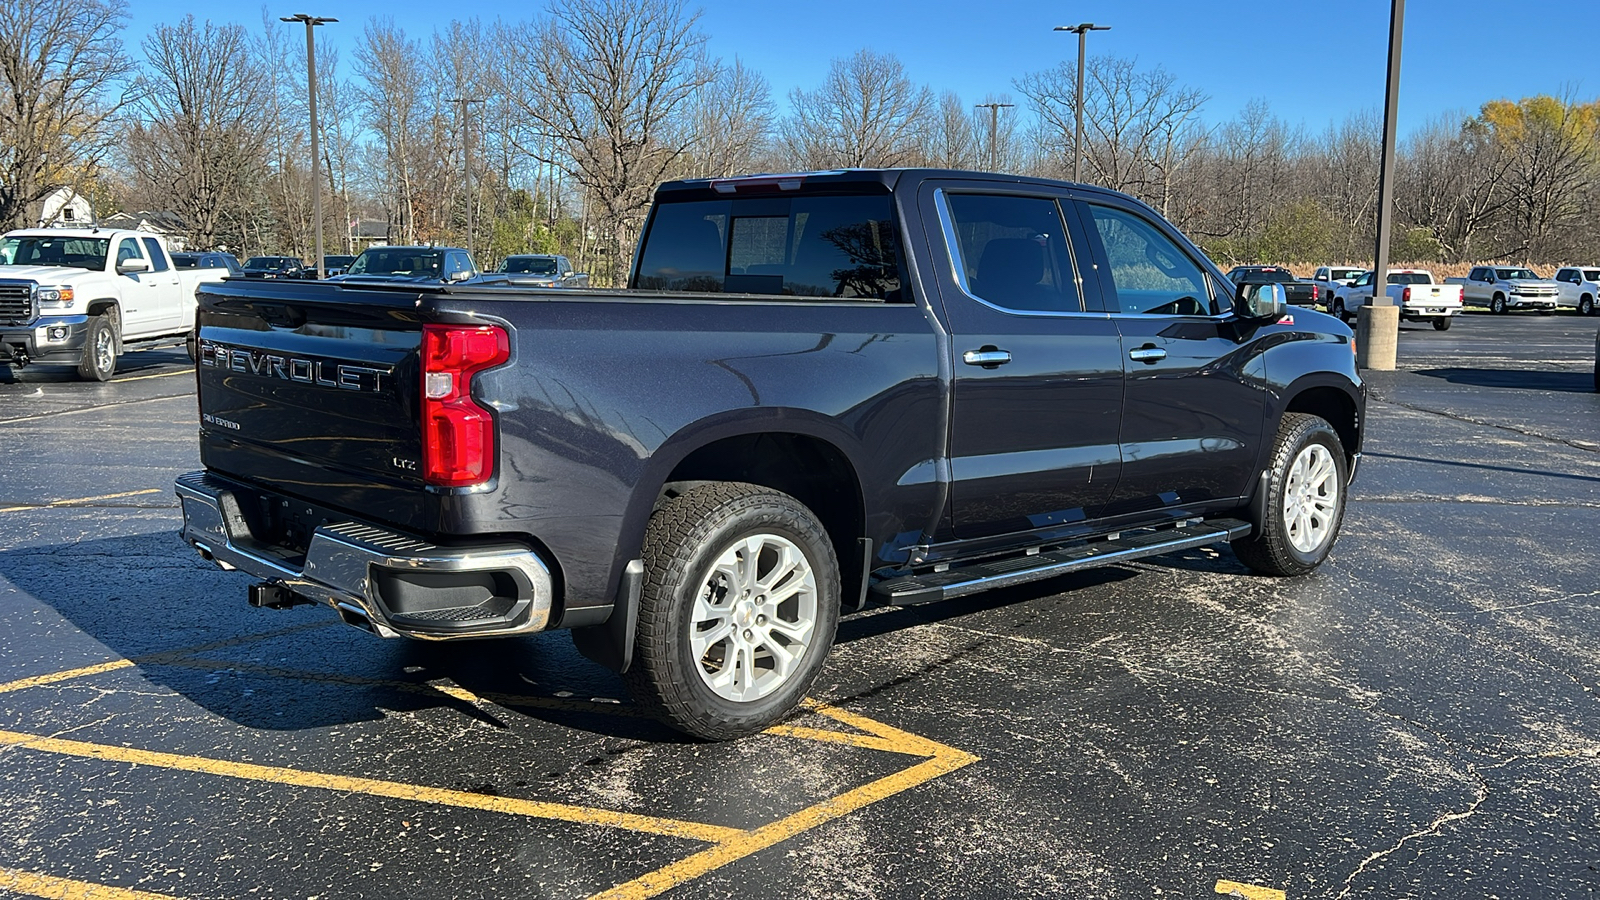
[611, 642]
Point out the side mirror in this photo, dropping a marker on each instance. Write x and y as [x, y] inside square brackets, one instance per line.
[1261, 301]
[463, 275]
[125, 266]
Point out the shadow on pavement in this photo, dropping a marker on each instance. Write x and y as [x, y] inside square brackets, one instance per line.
[1519, 379]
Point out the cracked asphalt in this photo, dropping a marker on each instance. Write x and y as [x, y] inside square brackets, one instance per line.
[1418, 718]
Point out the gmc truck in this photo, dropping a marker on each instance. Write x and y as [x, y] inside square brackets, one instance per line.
[819, 391]
[81, 296]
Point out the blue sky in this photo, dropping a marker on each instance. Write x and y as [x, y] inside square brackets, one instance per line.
[1312, 61]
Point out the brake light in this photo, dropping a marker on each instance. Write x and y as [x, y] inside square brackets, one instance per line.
[458, 435]
[1405, 296]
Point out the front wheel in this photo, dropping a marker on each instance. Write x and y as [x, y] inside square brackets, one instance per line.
[99, 358]
[1586, 306]
[738, 611]
[1337, 308]
[1498, 304]
[1305, 499]
[1441, 324]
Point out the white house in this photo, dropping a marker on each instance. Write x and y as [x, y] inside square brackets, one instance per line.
[65, 206]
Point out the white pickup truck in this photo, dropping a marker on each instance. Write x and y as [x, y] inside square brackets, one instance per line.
[1420, 298]
[1504, 288]
[1579, 286]
[79, 296]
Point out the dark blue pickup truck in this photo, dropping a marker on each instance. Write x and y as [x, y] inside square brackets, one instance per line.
[819, 391]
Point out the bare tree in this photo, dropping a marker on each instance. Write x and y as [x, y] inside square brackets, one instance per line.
[611, 81]
[730, 121]
[866, 113]
[392, 67]
[950, 140]
[197, 137]
[60, 61]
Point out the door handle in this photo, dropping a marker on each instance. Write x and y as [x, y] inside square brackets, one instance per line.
[988, 357]
[1149, 353]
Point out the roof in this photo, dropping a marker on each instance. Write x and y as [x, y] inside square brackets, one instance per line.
[845, 181]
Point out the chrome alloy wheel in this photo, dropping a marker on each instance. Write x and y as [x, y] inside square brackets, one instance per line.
[1311, 498]
[754, 617]
[104, 347]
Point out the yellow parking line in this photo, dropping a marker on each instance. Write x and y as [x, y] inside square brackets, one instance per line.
[691, 867]
[54, 677]
[582, 815]
[53, 888]
[1249, 891]
[53, 503]
[143, 377]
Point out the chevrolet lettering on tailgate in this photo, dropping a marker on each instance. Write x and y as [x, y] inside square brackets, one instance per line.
[324, 372]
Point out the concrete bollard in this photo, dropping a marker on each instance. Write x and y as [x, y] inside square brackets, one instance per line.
[1377, 333]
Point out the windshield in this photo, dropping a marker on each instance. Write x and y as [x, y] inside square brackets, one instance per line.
[1343, 274]
[1513, 274]
[266, 262]
[398, 261]
[1591, 274]
[531, 265]
[74, 252]
[1410, 278]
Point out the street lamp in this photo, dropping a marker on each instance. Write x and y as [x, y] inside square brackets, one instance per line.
[994, 130]
[466, 152]
[1077, 141]
[316, 159]
[1378, 322]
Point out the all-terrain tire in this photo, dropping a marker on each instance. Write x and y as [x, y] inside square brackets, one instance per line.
[683, 544]
[1304, 443]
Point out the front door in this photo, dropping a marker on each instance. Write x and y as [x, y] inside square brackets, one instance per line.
[1195, 396]
[1038, 376]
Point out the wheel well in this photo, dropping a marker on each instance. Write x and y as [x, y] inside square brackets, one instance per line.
[1336, 408]
[806, 468]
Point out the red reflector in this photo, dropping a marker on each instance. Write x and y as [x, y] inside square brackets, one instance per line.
[458, 435]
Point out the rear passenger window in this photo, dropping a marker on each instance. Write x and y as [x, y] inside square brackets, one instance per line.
[1150, 274]
[845, 247]
[1012, 252]
[158, 260]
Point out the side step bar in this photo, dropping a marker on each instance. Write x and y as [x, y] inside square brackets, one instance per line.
[991, 574]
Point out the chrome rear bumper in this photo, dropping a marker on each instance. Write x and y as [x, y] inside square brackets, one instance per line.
[389, 583]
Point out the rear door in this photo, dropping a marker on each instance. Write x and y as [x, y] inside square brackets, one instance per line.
[1194, 398]
[170, 302]
[1037, 372]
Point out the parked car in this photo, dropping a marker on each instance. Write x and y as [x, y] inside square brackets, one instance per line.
[1300, 293]
[336, 265]
[1505, 288]
[83, 296]
[1420, 298]
[819, 389]
[209, 259]
[275, 267]
[1578, 286]
[1330, 277]
[542, 270]
[424, 265]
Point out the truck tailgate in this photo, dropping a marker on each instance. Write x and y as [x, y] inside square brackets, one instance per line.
[313, 388]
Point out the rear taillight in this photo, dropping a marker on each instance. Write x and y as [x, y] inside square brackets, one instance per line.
[1405, 296]
[458, 435]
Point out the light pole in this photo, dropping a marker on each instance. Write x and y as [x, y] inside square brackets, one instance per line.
[316, 159]
[466, 152]
[994, 130]
[1077, 141]
[1378, 322]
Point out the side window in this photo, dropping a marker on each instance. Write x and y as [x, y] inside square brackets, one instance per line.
[158, 260]
[1012, 252]
[1150, 274]
[456, 263]
[127, 249]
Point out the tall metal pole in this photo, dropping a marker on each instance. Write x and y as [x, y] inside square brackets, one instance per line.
[1378, 325]
[466, 152]
[1081, 30]
[316, 156]
[994, 131]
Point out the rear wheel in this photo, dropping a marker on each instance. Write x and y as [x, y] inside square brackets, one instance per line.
[1547, 312]
[99, 358]
[1442, 323]
[1305, 499]
[738, 611]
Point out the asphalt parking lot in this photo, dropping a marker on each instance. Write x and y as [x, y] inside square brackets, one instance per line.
[1416, 719]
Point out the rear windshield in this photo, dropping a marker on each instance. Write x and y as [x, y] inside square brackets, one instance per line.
[845, 247]
[1410, 278]
[398, 261]
[1259, 276]
[530, 265]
